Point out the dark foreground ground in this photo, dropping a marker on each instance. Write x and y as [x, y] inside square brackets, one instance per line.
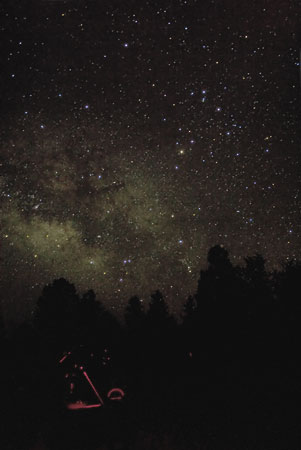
[247, 413]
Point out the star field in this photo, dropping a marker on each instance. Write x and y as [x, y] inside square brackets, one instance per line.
[135, 135]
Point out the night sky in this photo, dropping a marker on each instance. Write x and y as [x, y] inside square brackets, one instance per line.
[135, 135]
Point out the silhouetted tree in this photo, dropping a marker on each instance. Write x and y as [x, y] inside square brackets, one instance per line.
[190, 321]
[134, 314]
[287, 281]
[136, 337]
[89, 313]
[189, 330]
[217, 282]
[158, 309]
[256, 277]
[258, 309]
[255, 267]
[219, 304]
[189, 308]
[218, 259]
[110, 331]
[98, 328]
[287, 298]
[56, 314]
[161, 334]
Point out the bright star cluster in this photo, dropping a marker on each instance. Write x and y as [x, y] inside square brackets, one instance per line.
[135, 135]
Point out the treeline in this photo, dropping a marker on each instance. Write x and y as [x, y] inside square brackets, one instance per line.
[239, 317]
[236, 313]
[242, 322]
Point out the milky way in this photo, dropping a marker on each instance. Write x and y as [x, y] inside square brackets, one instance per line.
[135, 135]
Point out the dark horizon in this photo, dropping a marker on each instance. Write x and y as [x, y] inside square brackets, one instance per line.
[175, 304]
[227, 374]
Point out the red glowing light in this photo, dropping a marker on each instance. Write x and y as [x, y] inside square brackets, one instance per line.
[82, 405]
[63, 359]
[78, 395]
[115, 394]
[93, 387]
